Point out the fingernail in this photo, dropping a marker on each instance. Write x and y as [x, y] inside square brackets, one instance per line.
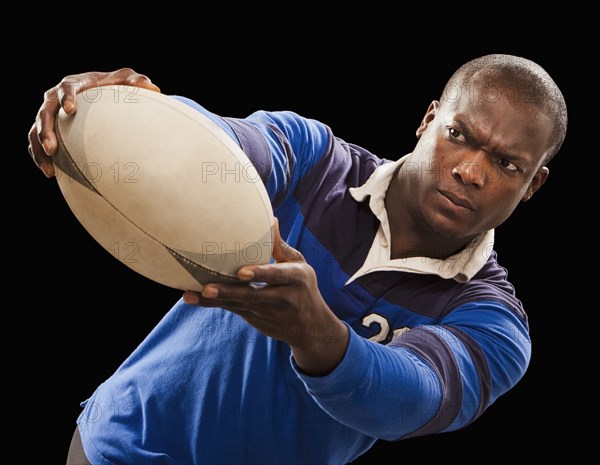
[210, 292]
[47, 146]
[68, 106]
[48, 169]
[190, 298]
[245, 274]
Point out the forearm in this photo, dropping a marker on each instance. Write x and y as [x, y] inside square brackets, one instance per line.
[322, 350]
[385, 393]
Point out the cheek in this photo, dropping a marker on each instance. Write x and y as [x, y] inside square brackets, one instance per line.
[427, 145]
[500, 201]
[432, 157]
[507, 188]
[440, 153]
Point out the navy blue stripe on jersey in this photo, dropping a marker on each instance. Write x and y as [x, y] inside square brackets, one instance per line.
[289, 167]
[261, 156]
[501, 335]
[307, 141]
[490, 283]
[478, 358]
[346, 227]
[431, 346]
[250, 141]
[430, 296]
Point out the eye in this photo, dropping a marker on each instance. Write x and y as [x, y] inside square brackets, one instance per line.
[510, 166]
[456, 135]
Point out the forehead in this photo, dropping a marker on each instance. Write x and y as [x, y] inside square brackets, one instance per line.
[498, 116]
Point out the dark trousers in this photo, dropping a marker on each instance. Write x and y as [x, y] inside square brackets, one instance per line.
[76, 455]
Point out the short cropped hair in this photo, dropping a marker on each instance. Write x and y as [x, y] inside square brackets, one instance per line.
[524, 79]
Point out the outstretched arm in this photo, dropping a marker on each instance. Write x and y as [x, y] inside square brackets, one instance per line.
[430, 379]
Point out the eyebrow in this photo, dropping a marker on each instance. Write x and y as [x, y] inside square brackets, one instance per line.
[469, 135]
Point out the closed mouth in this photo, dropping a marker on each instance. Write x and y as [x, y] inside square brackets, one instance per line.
[457, 200]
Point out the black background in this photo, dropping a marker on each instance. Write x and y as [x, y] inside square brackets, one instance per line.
[80, 312]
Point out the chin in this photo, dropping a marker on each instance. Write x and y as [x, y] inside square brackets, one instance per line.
[447, 233]
[443, 227]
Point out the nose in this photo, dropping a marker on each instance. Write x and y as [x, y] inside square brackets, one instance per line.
[471, 170]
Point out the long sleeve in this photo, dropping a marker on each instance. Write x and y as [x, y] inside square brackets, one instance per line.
[431, 378]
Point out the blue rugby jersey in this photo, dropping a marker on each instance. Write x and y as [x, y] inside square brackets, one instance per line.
[206, 388]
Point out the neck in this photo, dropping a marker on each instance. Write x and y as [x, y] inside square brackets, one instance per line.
[406, 245]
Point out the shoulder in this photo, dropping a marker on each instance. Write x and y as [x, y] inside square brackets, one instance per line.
[433, 299]
[491, 283]
[289, 124]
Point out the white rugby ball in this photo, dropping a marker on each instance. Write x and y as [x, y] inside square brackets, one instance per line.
[161, 187]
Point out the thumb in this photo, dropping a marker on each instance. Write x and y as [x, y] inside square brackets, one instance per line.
[282, 252]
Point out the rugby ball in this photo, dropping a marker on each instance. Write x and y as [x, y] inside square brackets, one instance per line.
[161, 187]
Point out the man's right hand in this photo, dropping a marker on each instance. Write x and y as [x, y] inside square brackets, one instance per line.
[42, 139]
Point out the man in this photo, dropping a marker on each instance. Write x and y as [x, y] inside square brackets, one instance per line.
[385, 314]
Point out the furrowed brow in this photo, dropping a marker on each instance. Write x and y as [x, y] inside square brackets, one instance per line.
[512, 157]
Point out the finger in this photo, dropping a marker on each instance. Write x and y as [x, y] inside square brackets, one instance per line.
[70, 86]
[141, 80]
[60, 96]
[276, 274]
[230, 295]
[128, 77]
[282, 252]
[44, 121]
[234, 293]
[68, 89]
[36, 151]
[197, 298]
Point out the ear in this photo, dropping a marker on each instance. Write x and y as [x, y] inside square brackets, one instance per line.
[428, 118]
[538, 181]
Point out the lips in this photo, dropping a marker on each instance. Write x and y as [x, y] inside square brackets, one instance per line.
[458, 200]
